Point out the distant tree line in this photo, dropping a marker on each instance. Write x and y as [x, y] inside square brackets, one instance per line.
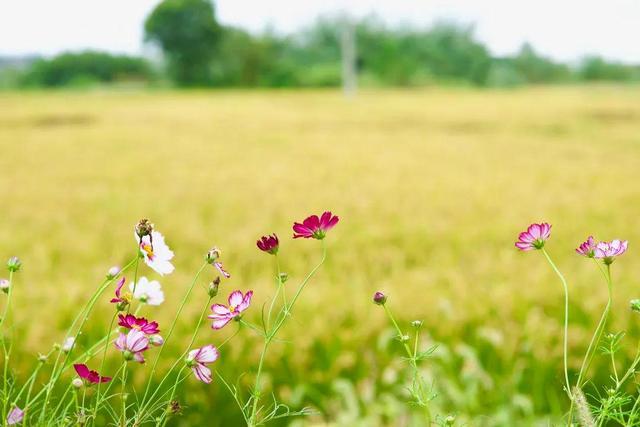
[198, 51]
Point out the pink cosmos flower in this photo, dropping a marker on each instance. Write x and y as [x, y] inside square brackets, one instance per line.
[156, 253]
[91, 377]
[607, 251]
[269, 244]
[139, 323]
[587, 248]
[119, 298]
[534, 237]
[220, 268]
[132, 345]
[223, 314]
[15, 416]
[314, 227]
[197, 360]
[212, 256]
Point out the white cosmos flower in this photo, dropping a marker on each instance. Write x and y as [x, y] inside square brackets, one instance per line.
[157, 254]
[148, 292]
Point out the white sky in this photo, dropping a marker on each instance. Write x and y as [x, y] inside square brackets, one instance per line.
[562, 29]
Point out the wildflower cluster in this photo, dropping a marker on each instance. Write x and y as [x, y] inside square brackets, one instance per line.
[615, 406]
[88, 396]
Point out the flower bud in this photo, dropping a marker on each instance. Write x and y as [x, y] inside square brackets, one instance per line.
[14, 264]
[213, 287]
[283, 278]
[379, 298]
[67, 345]
[156, 340]
[416, 323]
[77, 383]
[113, 272]
[213, 254]
[42, 358]
[4, 285]
[174, 407]
[403, 338]
[143, 228]
[449, 420]
[635, 305]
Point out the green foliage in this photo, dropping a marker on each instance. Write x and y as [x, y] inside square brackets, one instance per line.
[84, 68]
[596, 68]
[189, 35]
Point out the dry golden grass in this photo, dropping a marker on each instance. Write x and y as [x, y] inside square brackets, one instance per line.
[432, 187]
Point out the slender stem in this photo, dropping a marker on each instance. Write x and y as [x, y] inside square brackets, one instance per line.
[124, 395]
[416, 381]
[135, 277]
[104, 356]
[566, 323]
[180, 359]
[173, 325]
[6, 352]
[272, 333]
[597, 335]
[84, 314]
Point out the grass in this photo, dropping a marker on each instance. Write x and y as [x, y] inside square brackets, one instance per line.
[432, 187]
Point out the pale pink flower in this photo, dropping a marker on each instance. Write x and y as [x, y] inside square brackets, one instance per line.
[157, 254]
[587, 248]
[223, 314]
[15, 416]
[607, 251]
[534, 237]
[197, 360]
[132, 345]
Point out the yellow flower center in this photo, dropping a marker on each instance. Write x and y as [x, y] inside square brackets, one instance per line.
[148, 249]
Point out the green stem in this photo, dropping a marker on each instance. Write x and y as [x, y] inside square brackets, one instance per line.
[180, 359]
[84, 314]
[566, 324]
[6, 352]
[412, 361]
[123, 396]
[104, 356]
[597, 335]
[272, 333]
[173, 325]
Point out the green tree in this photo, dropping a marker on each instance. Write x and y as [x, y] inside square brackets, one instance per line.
[188, 34]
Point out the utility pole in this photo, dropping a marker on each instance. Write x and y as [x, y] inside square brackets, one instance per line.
[348, 47]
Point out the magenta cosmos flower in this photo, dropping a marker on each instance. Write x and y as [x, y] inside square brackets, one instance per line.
[15, 416]
[223, 314]
[139, 323]
[587, 248]
[121, 300]
[607, 251]
[132, 345]
[534, 237]
[269, 244]
[314, 227]
[90, 377]
[197, 360]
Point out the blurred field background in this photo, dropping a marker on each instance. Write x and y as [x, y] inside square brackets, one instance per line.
[432, 187]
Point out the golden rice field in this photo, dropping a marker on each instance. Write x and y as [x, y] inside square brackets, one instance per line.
[432, 187]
